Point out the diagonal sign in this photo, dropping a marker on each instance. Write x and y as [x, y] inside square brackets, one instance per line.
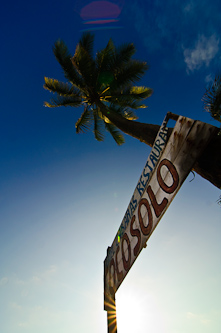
[165, 171]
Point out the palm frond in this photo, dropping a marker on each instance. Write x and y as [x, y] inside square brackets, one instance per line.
[105, 57]
[98, 130]
[131, 96]
[129, 93]
[74, 101]
[212, 99]
[84, 122]
[130, 73]
[117, 135]
[123, 111]
[123, 54]
[127, 102]
[137, 105]
[139, 92]
[61, 88]
[104, 63]
[87, 42]
[64, 58]
[85, 65]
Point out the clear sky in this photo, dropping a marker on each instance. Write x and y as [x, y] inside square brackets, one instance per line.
[63, 195]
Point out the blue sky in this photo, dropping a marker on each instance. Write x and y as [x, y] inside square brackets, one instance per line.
[63, 195]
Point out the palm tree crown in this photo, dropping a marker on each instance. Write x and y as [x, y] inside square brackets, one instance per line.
[103, 85]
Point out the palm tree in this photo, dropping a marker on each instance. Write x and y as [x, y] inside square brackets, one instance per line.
[103, 85]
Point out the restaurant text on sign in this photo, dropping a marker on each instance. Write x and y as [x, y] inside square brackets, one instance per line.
[146, 174]
[141, 224]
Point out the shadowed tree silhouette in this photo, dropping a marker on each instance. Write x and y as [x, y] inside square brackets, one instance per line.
[212, 103]
[212, 99]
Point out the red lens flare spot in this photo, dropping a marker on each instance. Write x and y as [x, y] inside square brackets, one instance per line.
[100, 10]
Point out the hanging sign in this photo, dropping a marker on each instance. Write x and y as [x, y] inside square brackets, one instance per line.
[165, 170]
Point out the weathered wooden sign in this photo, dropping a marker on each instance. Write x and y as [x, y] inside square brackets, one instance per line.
[165, 170]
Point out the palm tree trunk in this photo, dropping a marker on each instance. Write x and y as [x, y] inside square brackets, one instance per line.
[144, 132]
[207, 166]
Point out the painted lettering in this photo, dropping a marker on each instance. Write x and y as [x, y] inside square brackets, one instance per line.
[153, 159]
[163, 136]
[128, 217]
[139, 188]
[168, 189]
[156, 155]
[159, 145]
[141, 185]
[126, 262]
[147, 165]
[119, 274]
[143, 182]
[146, 175]
[145, 229]
[135, 233]
[134, 202]
[132, 208]
[158, 208]
[125, 218]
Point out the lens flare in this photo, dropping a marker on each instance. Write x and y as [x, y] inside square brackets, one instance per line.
[97, 14]
[111, 314]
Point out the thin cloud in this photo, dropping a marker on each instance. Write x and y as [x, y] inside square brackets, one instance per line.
[201, 55]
